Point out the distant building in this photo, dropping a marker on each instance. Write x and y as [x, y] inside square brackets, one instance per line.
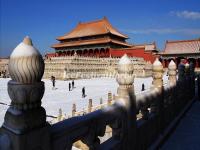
[100, 39]
[146, 51]
[91, 39]
[182, 49]
[4, 67]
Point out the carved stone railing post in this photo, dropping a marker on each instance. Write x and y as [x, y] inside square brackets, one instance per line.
[125, 79]
[158, 104]
[25, 125]
[157, 72]
[109, 98]
[172, 73]
[73, 110]
[90, 106]
[126, 97]
[170, 101]
[187, 70]
[60, 115]
[101, 102]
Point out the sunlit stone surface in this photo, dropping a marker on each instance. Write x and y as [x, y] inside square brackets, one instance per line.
[61, 98]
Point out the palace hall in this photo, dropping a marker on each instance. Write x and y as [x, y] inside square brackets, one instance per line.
[100, 39]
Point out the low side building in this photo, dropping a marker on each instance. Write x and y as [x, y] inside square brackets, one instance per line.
[181, 49]
[4, 67]
[146, 51]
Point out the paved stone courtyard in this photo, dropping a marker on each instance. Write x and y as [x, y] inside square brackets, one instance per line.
[96, 88]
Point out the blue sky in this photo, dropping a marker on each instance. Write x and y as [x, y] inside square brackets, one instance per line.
[143, 21]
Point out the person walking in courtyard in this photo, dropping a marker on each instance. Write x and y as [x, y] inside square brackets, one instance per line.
[53, 82]
[143, 88]
[69, 86]
[83, 92]
[72, 84]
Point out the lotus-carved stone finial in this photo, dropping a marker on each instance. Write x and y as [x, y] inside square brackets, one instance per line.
[125, 71]
[157, 73]
[26, 64]
[172, 65]
[157, 66]
[172, 72]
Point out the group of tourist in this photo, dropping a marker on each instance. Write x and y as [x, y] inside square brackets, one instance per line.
[71, 86]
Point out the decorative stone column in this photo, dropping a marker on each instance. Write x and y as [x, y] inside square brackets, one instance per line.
[90, 106]
[126, 98]
[101, 101]
[73, 110]
[157, 105]
[25, 120]
[109, 102]
[125, 79]
[187, 69]
[157, 74]
[172, 73]
[60, 115]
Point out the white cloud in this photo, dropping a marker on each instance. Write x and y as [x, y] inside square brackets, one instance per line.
[187, 31]
[186, 14]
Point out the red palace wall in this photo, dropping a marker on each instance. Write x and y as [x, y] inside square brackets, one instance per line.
[140, 52]
[49, 55]
[148, 56]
